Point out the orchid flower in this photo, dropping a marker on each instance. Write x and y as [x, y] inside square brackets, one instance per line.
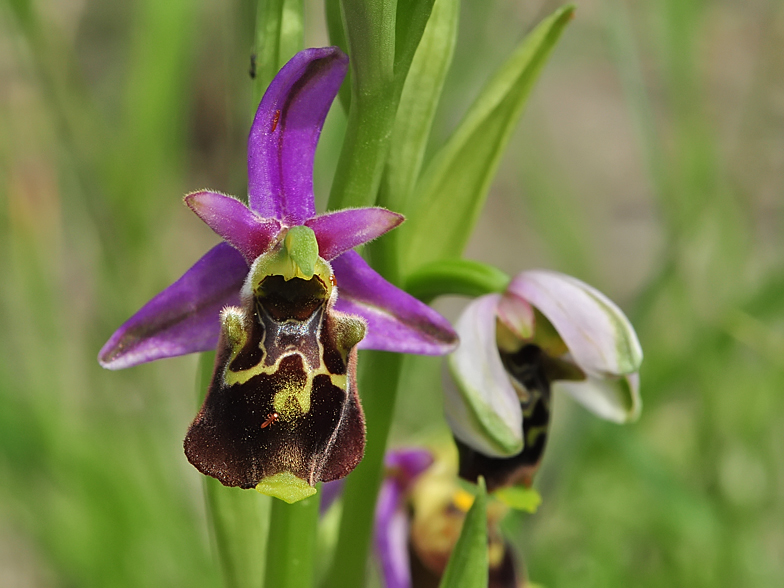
[419, 517]
[282, 412]
[547, 331]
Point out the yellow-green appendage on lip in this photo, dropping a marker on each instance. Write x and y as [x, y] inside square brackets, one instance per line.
[286, 486]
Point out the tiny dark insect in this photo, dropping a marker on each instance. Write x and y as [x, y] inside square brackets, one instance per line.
[271, 418]
[275, 120]
[252, 70]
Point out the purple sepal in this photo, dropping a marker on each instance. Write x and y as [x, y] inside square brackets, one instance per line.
[391, 517]
[184, 318]
[396, 320]
[248, 233]
[409, 462]
[337, 232]
[391, 536]
[284, 134]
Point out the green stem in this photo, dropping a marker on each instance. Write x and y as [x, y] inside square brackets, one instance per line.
[370, 34]
[292, 544]
[239, 518]
[379, 376]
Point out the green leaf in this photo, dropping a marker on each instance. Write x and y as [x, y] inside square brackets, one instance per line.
[239, 518]
[410, 21]
[420, 96]
[468, 564]
[455, 276]
[519, 498]
[452, 191]
[279, 35]
[370, 34]
[337, 37]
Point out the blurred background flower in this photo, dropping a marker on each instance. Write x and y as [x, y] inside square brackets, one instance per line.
[648, 164]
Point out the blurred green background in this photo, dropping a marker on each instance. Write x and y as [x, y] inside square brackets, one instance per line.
[649, 163]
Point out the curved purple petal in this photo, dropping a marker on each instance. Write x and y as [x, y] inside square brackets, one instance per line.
[239, 226]
[284, 134]
[184, 318]
[337, 232]
[396, 321]
[391, 536]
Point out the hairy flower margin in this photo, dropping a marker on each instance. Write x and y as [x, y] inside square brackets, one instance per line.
[547, 331]
[223, 300]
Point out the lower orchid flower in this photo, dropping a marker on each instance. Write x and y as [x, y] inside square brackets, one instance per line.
[282, 412]
[419, 517]
[546, 332]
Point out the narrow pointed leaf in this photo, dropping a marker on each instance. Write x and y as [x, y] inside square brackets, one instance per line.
[418, 102]
[337, 37]
[285, 132]
[184, 318]
[468, 564]
[454, 186]
[370, 33]
[411, 18]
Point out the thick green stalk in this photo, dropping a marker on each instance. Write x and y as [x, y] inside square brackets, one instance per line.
[292, 543]
[379, 376]
[370, 33]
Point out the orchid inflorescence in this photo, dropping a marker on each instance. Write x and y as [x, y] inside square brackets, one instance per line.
[286, 302]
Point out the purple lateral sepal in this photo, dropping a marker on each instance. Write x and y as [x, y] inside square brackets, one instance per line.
[285, 132]
[338, 232]
[391, 536]
[244, 230]
[391, 517]
[396, 320]
[184, 318]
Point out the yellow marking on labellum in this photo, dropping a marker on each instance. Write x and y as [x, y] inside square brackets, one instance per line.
[286, 486]
[293, 400]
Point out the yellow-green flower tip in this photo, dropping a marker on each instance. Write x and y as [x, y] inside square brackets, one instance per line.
[286, 486]
[303, 249]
